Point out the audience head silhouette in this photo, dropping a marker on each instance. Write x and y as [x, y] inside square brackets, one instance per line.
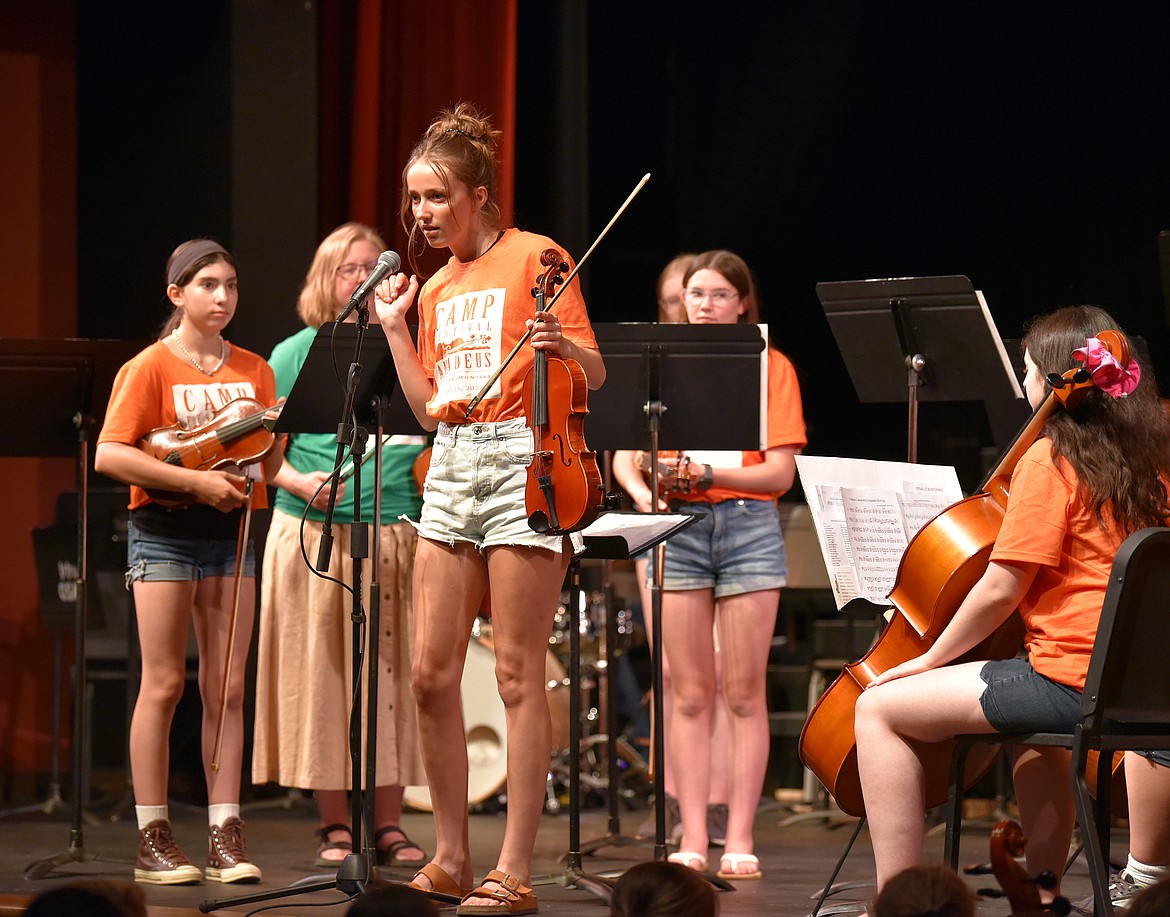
[924, 891]
[659, 889]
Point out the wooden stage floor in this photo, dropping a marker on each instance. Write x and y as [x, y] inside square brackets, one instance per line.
[796, 860]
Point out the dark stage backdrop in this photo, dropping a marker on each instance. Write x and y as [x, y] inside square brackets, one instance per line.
[1025, 146]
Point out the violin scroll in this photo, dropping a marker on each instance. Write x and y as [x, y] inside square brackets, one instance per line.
[1070, 387]
[677, 474]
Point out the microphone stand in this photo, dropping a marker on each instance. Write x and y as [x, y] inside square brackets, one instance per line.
[355, 874]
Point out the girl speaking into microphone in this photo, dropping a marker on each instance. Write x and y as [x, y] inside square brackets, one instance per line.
[474, 533]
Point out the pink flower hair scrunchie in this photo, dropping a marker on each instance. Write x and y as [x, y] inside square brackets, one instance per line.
[1108, 375]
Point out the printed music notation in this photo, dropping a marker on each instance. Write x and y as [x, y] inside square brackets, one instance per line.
[866, 512]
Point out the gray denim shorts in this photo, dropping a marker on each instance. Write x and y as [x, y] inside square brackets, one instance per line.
[1019, 699]
[474, 491]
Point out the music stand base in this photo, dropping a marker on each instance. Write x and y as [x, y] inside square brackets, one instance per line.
[612, 839]
[353, 877]
[75, 854]
[574, 877]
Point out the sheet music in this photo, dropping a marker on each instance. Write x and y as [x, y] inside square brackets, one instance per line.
[638, 530]
[866, 512]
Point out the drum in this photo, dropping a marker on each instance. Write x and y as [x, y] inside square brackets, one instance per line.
[484, 722]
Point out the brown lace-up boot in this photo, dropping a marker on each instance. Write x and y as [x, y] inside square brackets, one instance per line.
[160, 861]
[227, 854]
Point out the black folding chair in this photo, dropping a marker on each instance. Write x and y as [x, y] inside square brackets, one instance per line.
[1126, 701]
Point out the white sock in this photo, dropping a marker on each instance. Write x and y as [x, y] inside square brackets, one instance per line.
[1144, 875]
[220, 812]
[147, 814]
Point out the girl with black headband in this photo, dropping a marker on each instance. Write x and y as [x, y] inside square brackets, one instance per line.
[182, 562]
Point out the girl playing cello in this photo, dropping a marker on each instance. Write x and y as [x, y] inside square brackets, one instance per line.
[182, 563]
[1068, 511]
[474, 532]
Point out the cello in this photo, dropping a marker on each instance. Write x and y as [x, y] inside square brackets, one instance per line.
[940, 565]
[1022, 890]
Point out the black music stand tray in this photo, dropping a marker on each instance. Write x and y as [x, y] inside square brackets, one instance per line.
[936, 333]
[363, 391]
[72, 379]
[656, 372]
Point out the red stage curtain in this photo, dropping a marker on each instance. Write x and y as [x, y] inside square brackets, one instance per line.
[387, 68]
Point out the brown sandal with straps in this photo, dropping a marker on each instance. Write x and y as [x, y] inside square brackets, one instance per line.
[514, 897]
[443, 887]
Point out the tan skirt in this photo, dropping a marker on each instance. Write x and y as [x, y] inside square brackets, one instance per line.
[303, 682]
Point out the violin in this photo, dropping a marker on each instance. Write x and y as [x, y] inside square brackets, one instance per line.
[238, 434]
[940, 565]
[419, 468]
[1021, 889]
[563, 492]
[677, 474]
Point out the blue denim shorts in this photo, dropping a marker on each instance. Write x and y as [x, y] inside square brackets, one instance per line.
[1019, 699]
[474, 491]
[734, 548]
[154, 557]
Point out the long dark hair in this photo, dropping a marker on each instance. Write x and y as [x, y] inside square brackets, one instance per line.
[1118, 447]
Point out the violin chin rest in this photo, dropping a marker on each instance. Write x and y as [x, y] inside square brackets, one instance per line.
[538, 522]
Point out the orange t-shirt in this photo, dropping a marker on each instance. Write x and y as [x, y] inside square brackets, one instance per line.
[785, 427]
[1047, 523]
[157, 388]
[472, 314]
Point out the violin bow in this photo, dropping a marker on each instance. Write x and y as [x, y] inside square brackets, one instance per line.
[474, 403]
[238, 585]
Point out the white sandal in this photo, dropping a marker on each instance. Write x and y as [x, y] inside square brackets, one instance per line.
[686, 857]
[736, 860]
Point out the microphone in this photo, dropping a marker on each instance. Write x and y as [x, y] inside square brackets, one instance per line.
[388, 263]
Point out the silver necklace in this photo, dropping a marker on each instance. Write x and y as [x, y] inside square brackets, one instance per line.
[199, 366]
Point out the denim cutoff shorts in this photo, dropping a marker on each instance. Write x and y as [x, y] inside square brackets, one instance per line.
[474, 490]
[156, 558]
[1019, 699]
[734, 548]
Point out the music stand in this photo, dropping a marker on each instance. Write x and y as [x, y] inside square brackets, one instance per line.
[936, 333]
[364, 393]
[613, 536]
[72, 379]
[655, 372]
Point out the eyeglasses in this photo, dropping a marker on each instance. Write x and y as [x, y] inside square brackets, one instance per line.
[349, 271]
[695, 296]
